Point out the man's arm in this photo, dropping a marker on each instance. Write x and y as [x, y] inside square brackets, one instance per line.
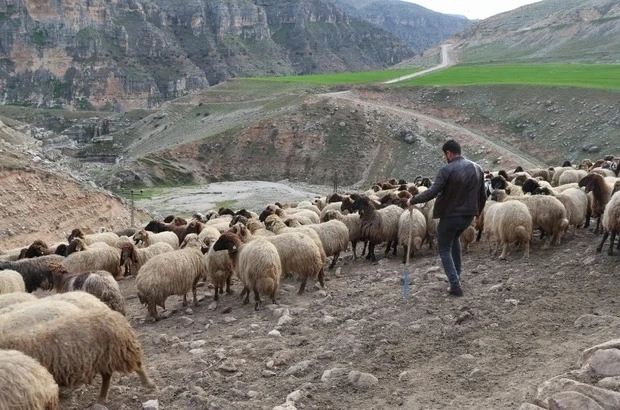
[434, 190]
[482, 195]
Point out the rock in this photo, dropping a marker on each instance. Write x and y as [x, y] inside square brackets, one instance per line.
[594, 149]
[98, 407]
[279, 312]
[161, 339]
[284, 320]
[150, 405]
[403, 376]
[607, 399]
[528, 406]
[228, 366]
[513, 302]
[328, 319]
[298, 369]
[283, 356]
[497, 287]
[197, 343]
[230, 319]
[274, 333]
[570, 400]
[227, 310]
[332, 374]
[189, 311]
[295, 396]
[612, 344]
[589, 260]
[186, 321]
[270, 364]
[252, 394]
[285, 406]
[610, 383]
[197, 351]
[268, 373]
[342, 124]
[467, 357]
[552, 386]
[362, 380]
[605, 362]
[212, 306]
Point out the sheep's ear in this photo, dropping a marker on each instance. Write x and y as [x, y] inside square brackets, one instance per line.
[507, 189]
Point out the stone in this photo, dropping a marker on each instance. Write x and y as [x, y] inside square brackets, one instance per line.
[274, 333]
[362, 380]
[227, 310]
[528, 406]
[284, 320]
[295, 396]
[328, 319]
[228, 366]
[197, 351]
[230, 319]
[298, 369]
[150, 405]
[605, 362]
[283, 356]
[286, 406]
[212, 306]
[252, 394]
[161, 339]
[197, 343]
[612, 344]
[186, 321]
[189, 311]
[467, 357]
[610, 383]
[552, 386]
[608, 399]
[279, 312]
[268, 373]
[403, 376]
[332, 374]
[570, 400]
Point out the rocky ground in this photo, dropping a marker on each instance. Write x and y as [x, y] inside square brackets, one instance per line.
[359, 344]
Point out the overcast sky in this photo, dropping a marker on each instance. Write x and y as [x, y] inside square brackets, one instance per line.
[473, 9]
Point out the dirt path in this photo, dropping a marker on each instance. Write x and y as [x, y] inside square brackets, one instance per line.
[477, 137]
[445, 62]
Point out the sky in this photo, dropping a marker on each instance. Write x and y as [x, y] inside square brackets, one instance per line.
[472, 9]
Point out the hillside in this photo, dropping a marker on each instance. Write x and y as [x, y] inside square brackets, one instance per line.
[586, 31]
[416, 26]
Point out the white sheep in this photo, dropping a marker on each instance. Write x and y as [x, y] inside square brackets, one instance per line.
[147, 238]
[411, 224]
[576, 203]
[257, 263]
[171, 273]
[571, 176]
[103, 257]
[133, 258]
[353, 224]
[334, 237]
[25, 384]
[611, 221]
[10, 299]
[511, 223]
[11, 281]
[333, 206]
[109, 238]
[277, 226]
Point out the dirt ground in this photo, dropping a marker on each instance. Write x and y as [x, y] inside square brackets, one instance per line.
[515, 327]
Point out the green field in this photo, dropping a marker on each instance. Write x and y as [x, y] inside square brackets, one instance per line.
[362, 77]
[561, 75]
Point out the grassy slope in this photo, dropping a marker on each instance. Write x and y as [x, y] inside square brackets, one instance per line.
[362, 77]
[566, 75]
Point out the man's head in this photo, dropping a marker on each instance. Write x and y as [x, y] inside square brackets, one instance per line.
[451, 149]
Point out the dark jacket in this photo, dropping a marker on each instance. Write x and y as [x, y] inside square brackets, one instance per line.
[459, 188]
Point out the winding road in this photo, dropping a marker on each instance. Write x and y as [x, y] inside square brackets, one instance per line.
[445, 62]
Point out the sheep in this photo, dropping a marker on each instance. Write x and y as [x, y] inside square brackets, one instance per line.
[159, 227]
[310, 215]
[257, 263]
[77, 347]
[255, 227]
[36, 249]
[545, 174]
[512, 222]
[411, 224]
[98, 283]
[334, 237]
[353, 224]
[499, 182]
[11, 281]
[557, 173]
[571, 176]
[611, 221]
[81, 299]
[100, 258]
[531, 185]
[149, 238]
[16, 318]
[247, 214]
[9, 299]
[171, 273]
[133, 258]
[601, 194]
[219, 267]
[108, 237]
[574, 200]
[329, 207]
[431, 223]
[547, 213]
[467, 237]
[35, 272]
[126, 232]
[175, 220]
[298, 253]
[378, 225]
[25, 384]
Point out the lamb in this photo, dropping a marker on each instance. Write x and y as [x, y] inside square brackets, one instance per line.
[105, 258]
[467, 237]
[133, 258]
[77, 347]
[35, 272]
[601, 194]
[11, 281]
[574, 200]
[10, 299]
[149, 238]
[98, 283]
[258, 229]
[547, 214]
[353, 224]
[611, 220]
[411, 224]
[378, 225]
[334, 237]
[25, 384]
[257, 263]
[171, 273]
[512, 222]
[108, 237]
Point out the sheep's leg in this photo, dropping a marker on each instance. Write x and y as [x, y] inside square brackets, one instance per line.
[598, 226]
[600, 246]
[364, 248]
[354, 246]
[479, 236]
[185, 300]
[145, 379]
[611, 243]
[105, 386]
[322, 277]
[228, 289]
[387, 247]
[152, 309]
[194, 286]
[246, 292]
[334, 260]
[502, 257]
[222, 289]
[588, 216]
[394, 247]
[526, 253]
[371, 252]
[256, 299]
[303, 286]
[216, 297]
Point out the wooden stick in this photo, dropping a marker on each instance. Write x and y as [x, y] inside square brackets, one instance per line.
[410, 236]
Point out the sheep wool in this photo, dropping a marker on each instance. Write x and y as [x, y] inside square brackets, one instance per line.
[25, 384]
[11, 281]
[99, 258]
[334, 237]
[16, 298]
[512, 223]
[35, 272]
[414, 224]
[353, 224]
[76, 347]
[22, 316]
[611, 222]
[133, 258]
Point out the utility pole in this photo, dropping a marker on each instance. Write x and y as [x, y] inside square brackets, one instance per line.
[133, 206]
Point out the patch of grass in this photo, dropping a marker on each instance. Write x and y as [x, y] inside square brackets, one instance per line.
[39, 38]
[140, 193]
[559, 75]
[229, 203]
[361, 77]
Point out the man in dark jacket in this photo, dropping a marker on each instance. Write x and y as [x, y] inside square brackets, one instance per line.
[460, 191]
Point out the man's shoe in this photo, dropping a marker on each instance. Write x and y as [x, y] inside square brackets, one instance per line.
[455, 291]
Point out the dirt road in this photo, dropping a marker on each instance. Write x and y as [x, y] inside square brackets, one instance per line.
[445, 62]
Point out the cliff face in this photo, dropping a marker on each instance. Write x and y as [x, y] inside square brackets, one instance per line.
[135, 53]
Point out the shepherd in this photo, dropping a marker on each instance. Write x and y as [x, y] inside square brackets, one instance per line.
[460, 192]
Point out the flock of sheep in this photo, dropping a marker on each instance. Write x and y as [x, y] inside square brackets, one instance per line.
[80, 331]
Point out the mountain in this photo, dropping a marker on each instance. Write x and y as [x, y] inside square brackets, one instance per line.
[418, 27]
[586, 31]
[135, 53]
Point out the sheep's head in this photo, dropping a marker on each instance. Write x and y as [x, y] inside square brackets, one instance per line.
[191, 241]
[426, 182]
[404, 194]
[61, 250]
[498, 195]
[194, 227]
[347, 204]
[199, 217]
[269, 210]
[169, 219]
[36, 249]
[178, 221]
[543, 190]
[225, 211]
[273, 222]
[76, 245]
[244, 213]
[211, 215]
[57, 273]
[140, 236]
[335, 197]
[499, 182]
[503, 174]
[76, 233]
[241, 231]
[228, 241]
[567, 164]
[155, 227]
[128, 253]
[376, 188]
[393, 181]
[331, 214]
[590, 181]
[530, 186]
[293, 223]
[238, 219]
[518, 169]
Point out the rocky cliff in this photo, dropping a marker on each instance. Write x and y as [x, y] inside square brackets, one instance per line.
[136, 53]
